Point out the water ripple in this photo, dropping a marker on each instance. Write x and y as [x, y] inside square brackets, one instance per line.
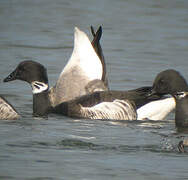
[78, 144]
[37, 47]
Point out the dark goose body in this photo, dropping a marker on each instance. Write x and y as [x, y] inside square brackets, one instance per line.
[64, 88]
[44, 98]
[117, 105]
[97, 105]
[181, 112]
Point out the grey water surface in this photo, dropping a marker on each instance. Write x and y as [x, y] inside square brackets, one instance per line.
[140, 39]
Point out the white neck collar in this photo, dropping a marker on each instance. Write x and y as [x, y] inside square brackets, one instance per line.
[182, 94]
[38, 87]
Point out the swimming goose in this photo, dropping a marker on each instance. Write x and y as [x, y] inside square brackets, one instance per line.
[7, 111]
[97, 105]
[83, 67]
[64, 90]
[172, 82]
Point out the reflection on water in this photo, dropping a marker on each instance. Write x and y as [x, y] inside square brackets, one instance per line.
[140, 39]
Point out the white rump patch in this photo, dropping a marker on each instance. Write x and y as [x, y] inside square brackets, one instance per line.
[83, 66]
[84, 56]
[38, 87]
[117, 110]
[156, 110]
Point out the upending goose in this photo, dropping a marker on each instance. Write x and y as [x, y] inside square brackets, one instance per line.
[119, 105]
[172, 82]
[83, 67]
[7, 111]
[75, 75]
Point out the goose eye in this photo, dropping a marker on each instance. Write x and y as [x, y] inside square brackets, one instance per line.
[161, 81]
[21, 69]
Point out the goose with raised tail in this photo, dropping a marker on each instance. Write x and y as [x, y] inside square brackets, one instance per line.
[96, 105]
[83, 67]
[78, 79]
[75, 74]
[81, 75]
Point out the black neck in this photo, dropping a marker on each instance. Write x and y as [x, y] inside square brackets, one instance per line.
[181, 114]
[41, 104]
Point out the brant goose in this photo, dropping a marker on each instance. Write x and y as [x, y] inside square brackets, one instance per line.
[97, 105]
[7, 111]
[63, 90]
[172, 82]
[83, 67]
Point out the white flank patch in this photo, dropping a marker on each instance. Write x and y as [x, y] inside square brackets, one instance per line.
[84, 57]
[117, 110]
[38, 87]
[156, 110]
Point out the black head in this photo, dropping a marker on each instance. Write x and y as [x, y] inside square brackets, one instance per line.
[169, 82]
[29, 71]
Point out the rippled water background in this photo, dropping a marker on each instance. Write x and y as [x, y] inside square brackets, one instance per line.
[140, 39]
